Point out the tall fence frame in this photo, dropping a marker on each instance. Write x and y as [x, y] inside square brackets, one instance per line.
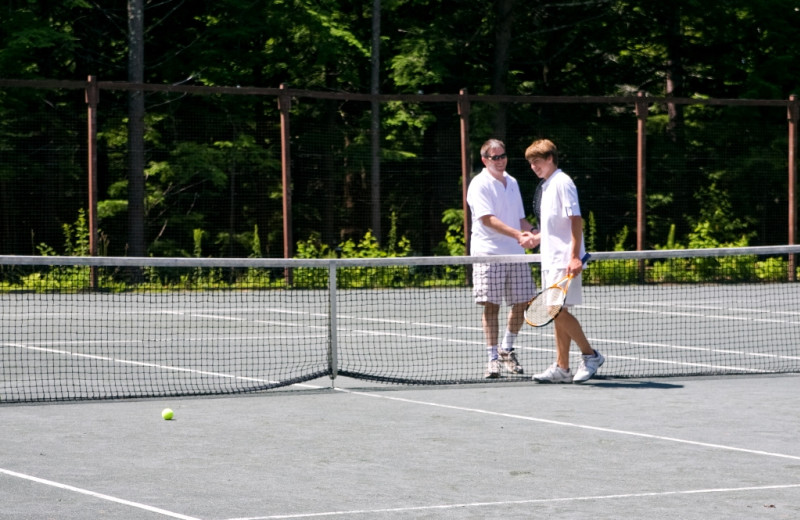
[462, 100]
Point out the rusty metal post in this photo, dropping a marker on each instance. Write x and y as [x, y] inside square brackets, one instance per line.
[285, 105]
[92, 99]
[641, 177]
[463, 112]
[793, 113]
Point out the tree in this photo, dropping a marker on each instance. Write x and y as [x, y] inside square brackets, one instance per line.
[211, 162]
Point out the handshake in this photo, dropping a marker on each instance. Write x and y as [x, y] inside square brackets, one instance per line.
[529, 239]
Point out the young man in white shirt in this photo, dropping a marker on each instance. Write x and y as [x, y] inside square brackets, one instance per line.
[498, 223]
[561, 248]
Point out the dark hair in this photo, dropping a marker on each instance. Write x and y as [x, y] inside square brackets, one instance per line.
[491, 143]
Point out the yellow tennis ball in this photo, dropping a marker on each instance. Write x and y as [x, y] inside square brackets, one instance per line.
[167, 414]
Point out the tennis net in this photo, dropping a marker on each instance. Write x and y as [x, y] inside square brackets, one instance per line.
[76, 328]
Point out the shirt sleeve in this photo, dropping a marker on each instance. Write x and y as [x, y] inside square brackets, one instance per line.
[570, 206]
[479, 199]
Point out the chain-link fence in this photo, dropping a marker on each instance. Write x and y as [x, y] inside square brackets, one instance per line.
[707, 172]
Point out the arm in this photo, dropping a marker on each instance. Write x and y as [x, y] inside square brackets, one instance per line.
[575, 265]
[530, 237]
[501, 227]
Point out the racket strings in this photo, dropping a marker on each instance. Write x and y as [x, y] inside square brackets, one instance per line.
[545, 307]
[537, 201]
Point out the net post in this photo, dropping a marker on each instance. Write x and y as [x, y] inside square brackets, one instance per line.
[333, 344]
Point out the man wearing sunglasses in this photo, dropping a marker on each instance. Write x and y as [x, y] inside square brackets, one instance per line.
[498, 224]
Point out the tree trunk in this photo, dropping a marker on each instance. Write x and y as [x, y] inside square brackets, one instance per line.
[505, 19]
[136, 190]
[674, 71]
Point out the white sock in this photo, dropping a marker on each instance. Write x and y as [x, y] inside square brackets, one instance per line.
[508, 341]
[492, 351]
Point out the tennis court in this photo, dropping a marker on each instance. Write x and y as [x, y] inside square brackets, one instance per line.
[96, 346]
[700, 447]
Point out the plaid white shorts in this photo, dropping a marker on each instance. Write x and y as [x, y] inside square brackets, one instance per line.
[496, 283]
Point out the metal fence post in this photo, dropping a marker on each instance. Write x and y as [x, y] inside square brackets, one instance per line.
[641, 176]
[92, 99]
[285, 105]
[463, 112]
[793, 113]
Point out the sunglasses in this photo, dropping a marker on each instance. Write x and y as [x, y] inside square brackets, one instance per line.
[496, 157]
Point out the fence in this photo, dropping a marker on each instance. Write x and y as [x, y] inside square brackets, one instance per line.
[245, 171]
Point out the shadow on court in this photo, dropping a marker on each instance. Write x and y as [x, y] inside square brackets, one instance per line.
[642, 385]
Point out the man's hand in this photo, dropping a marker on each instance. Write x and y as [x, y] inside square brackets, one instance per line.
[529, 239]
[575, 266]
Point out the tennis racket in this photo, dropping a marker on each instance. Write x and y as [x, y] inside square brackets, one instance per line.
[547, 305]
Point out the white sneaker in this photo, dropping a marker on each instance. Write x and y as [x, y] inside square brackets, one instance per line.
[492, 369]
[588, 368]
[554, 374]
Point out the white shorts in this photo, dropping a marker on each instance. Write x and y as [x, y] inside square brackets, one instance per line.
[496, 283]
[575, 292]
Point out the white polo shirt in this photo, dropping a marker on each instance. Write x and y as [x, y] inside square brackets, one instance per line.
[559, 203]
[487, 196]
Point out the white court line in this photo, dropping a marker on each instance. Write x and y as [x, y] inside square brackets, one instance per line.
[442, 507]
[171, 368]
[568, 424]
[518, 502]
[197, 314]
[524, 332]
[463, 505]
[94, 494]
[695, 314]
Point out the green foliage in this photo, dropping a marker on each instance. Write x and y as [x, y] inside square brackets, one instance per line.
[453, 244]
[367, 247]
[737, 268]
[717, 223]
[355, 277]
[76, 239]
[724, 269]
[198, 242]
[313, 247]
[611, 272]
[671, 244]
[213, 164]
[76, 243]
[590, 232]
[621, 238]
[772, 270]
[256, 244]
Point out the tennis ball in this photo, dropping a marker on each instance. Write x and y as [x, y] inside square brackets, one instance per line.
[167, 414]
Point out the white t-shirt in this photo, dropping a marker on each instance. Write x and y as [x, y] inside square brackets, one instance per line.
[487, 196]
[559, 202]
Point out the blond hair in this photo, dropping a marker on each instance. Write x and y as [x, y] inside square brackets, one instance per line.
[542, 148]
